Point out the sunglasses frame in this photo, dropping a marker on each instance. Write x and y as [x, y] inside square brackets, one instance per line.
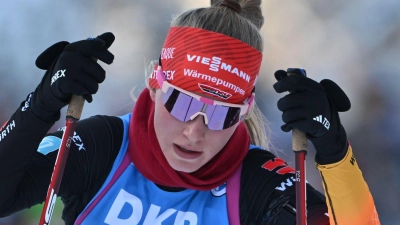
[165, 85]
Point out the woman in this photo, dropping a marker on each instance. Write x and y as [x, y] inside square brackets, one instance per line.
[194, 135]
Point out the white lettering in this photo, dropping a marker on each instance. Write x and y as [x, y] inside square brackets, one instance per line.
[167, 53]
[80, 146]
[169, 74]
[11, 125]
[152, 217]
[284, 184]
[326, 124]
[216, 60]
[3, 134]
[235, 71]
[68, 144]
[123, 198]
[205, 77]
[214, 67]
[6, 130]
[226, 67]
[190, 58]
[181, 217]
[217, 81]
[76, 139]
[187, 72]
[154, 74]
[205, 61]
[58, 74]
[244, 76]
[216, 63]
[27, 103]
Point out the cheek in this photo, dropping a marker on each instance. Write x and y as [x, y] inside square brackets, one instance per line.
[218, 139]
[164, 124]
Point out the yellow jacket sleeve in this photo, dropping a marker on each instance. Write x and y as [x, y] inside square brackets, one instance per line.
[347, 194]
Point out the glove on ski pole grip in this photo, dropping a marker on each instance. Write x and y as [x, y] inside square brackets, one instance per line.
[299, 138]
[299, 145]
[74, 112]
[75, 106]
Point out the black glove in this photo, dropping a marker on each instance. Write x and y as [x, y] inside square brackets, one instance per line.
[313, 107]
[71, 69]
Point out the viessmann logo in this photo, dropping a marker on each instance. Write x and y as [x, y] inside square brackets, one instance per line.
[216, 64]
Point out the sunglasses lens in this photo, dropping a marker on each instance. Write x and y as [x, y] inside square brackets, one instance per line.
[183, 106]
[222, 117]
[180, 105]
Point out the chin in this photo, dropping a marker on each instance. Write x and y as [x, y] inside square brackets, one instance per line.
[185, 169]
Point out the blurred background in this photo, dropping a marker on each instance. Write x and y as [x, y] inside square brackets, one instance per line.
[355, 43]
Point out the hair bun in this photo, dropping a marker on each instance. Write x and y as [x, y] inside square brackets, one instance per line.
[232, 5]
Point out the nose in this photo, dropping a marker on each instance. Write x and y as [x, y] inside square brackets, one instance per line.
[195, 129]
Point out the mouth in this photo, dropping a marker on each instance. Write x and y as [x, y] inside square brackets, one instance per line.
[186, 153]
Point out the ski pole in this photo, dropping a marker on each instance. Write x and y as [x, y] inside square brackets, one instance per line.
[300, 145]
[73, 115]
[74, 112]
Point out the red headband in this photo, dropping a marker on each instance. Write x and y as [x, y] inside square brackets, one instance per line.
[209, 63]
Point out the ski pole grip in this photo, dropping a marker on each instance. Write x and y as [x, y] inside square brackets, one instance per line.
[299, 138]
[75, 107]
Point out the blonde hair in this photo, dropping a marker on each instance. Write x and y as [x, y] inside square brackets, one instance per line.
[245, 27]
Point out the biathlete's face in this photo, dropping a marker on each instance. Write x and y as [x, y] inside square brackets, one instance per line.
[191, 128]
[187, 146]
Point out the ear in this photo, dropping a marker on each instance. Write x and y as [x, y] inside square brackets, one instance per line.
[152, 92]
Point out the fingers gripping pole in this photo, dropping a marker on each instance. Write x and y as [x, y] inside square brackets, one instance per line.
[300, 145]
[299, 138]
